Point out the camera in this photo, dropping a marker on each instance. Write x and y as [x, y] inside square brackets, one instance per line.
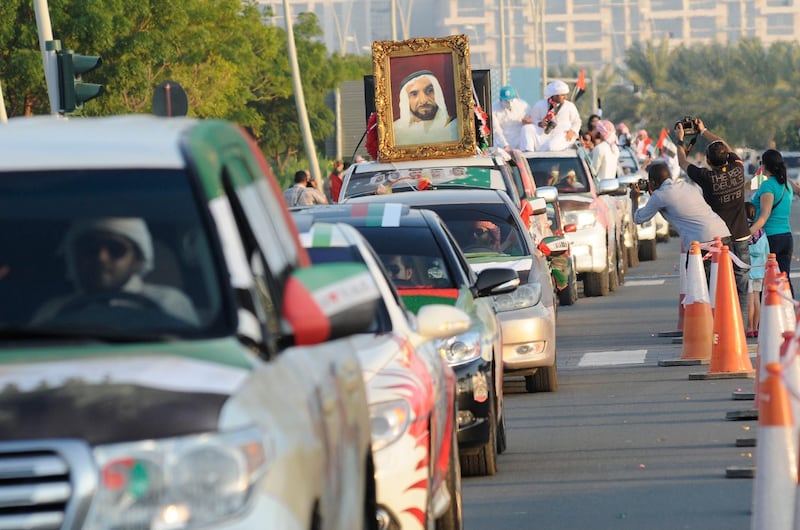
[644, 185]
[688, 124]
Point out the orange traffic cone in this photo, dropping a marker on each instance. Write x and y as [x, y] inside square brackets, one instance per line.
[770, 273]
[788, 317]
[712, 279]
[770, 340]
[729, 356]
[775, 488]
[698, 323]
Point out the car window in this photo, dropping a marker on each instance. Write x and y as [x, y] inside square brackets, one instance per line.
[483, 228]
[567, 174]
[385, 181]
[418, 246]
[69, 239]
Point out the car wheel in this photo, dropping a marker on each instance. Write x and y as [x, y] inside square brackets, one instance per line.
[596, 283]
[484, 462]
[453, 518]
[370, 495]
[544, 380]
[647, 250]
[502, 443]
[633, 254]
[565, 295]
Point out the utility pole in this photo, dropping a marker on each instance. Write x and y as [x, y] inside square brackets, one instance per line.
[3, 115]
[503, 65]
[48, 53]
[393, 7]
[300, 100]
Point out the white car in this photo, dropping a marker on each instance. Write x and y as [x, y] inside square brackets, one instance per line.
[410, 390]
[249, 411]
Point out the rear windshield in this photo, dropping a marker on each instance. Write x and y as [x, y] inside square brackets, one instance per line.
[567, 174]
[378, 182]
[411, 248]
[118, 253]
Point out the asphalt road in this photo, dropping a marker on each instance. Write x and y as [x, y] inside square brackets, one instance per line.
[623, 443]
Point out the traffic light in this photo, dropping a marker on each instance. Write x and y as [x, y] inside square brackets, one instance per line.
[73, 92]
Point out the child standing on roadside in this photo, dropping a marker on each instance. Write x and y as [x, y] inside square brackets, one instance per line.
[759, 248]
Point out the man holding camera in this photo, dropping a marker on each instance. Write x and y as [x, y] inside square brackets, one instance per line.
[682, 205]
[723, 185]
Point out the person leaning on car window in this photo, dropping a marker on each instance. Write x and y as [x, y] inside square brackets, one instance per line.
[682, 205]
[106, 260]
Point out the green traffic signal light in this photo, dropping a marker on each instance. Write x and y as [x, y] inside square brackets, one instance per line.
[73, 92]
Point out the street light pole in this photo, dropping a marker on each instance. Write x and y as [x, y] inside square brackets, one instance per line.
[48, 55]
[300, 100]
[503, 66]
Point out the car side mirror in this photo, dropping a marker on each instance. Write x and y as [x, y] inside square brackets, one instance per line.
[497, 280]
[608, 186]
[558, 245]
[328, 301]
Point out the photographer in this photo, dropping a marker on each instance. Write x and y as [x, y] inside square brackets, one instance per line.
[682, 205]
[303, 192]
[723, 185]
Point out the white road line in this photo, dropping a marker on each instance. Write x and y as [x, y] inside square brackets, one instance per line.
[611, 358]
[640, 283]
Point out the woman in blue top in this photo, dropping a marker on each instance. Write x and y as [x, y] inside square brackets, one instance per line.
[773, 202]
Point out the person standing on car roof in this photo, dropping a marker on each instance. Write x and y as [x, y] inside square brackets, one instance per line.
[723, 184]
[512, 121]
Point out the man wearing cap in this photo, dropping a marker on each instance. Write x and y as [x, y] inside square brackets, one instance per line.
[423, 112]
[511, 121]
[557, 119]
[107, 259]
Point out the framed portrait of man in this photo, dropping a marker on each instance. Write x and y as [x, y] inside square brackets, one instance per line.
[423, 98]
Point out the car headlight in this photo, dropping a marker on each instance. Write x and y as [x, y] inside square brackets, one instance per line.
[461, 348]
[581, 218]
[177, 483]
[388, 421]
[526, 295]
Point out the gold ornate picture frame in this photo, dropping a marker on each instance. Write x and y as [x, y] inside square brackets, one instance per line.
[423, 98]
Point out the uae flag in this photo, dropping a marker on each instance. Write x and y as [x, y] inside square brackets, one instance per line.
[580, 86]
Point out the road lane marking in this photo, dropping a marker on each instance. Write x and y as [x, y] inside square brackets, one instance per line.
[640, 283]
[611, 358]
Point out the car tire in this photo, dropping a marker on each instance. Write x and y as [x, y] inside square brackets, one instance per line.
[502, 443]
[596, 283]
[370, 495]
[664, 238]
[484, 462]
[647, 250]
[453, 518]
[544, 380]
[633, 255]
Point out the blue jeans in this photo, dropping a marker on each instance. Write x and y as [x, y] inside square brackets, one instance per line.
[741, 249]
[782, 246]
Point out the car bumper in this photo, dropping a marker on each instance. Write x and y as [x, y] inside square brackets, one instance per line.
[473, 413]
[646, 231]
[588, 246]
[529, 338]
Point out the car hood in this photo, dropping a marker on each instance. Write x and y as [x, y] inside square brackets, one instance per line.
[107, 394]
[375, 353]
[576, 202]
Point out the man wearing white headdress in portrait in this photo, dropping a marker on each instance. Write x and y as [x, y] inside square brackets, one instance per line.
[423, 112]
[556, 118]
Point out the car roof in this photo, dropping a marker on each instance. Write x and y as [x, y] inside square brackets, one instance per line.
[417, 198]
[477, 160]
[385, 215]
[130, 141]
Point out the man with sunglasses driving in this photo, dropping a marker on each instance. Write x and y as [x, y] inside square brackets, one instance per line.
[107, 259]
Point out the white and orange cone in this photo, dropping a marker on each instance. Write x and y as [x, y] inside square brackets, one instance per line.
[698, 324]
[775, 487]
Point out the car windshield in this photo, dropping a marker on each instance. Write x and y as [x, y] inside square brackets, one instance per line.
[119, 254]
[394, 180]
[483, 228]
[566, 174]
[411, 256]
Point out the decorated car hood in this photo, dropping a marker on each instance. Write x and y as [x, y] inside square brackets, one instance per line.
[374, 353]
[107, 394]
